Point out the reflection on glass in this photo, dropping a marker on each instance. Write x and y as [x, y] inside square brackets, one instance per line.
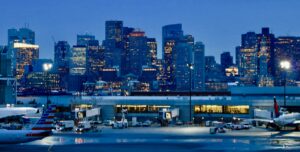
[236, 109]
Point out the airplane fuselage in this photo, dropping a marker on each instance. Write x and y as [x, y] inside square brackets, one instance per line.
[21, 136]
[287, 119]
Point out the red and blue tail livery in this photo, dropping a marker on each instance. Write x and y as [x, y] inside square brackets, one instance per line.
[40, 130]
[47, 119]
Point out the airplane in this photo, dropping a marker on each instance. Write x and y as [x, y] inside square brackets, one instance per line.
[18, 111]
[40, 130]
[282, 119]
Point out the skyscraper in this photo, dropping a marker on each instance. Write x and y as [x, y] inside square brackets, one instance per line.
[95, 60]
[84, 39]
[199, 66]
[247, 59]
[139, 54]
[171, 35]
[182, 56]
[78, 60]
[23, 35]
[61, 57]
[113, 43]
[114, 30]
[22, 60]
[248, 65]
[249, 40]
[265, 50]
[7, 81]
[62, 54]
[214, 81]
[112, 53]
[226, 61]
[287, 48]
[152, 46]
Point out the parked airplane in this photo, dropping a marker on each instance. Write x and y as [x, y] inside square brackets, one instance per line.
[40, 130]
[282, 118]
[18, 111]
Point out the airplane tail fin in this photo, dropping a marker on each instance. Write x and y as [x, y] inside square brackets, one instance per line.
[276, 108]
[47, 119]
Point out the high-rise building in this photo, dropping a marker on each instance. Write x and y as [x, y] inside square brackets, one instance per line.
[112, 53]
[152, 46]
[265, 50]
[95, 60]
[247, 59]
[171, 35]
[214, 81]
[226, 61]
[23, 35]
[84, 39]
[249, 40]
[78, 60]
[62, 54]
[114, 30]
[24, 54]
[61, 57]
[182, 57]
[21, 51]
[247, 65]
[139, 54]
[7, 81]
[5, 68]
[113, 43]
[199, 67]
[287, 48]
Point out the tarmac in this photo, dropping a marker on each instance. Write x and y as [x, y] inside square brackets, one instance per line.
[164, 139]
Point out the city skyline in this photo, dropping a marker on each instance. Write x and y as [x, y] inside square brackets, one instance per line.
[211, 26]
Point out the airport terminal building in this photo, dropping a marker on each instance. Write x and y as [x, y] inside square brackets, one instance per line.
[239, 102]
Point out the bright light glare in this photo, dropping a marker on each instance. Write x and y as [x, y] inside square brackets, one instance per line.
[285, 64]
[47, 66]
[191, 66]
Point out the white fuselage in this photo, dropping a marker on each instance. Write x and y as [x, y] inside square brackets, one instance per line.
[15, 111]
[287, 119]
[21, 136]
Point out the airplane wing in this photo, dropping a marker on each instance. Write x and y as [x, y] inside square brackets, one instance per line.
[264, 120]
[260, 120]
[296, 122]
[10, 116]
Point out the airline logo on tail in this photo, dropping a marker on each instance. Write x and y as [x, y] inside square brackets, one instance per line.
[47, 119]
[276, 108]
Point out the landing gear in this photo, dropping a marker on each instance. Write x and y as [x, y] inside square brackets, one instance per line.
[278, 128]
[268, 126]
[274, 126]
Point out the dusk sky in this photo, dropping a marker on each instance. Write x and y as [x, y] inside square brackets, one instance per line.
[217, 23]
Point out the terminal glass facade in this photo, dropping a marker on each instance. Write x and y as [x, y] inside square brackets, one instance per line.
[140, 108]
[236, 109]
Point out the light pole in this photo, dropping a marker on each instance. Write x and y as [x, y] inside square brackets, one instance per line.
[285, 65]
[47, 67]
[191, 67]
